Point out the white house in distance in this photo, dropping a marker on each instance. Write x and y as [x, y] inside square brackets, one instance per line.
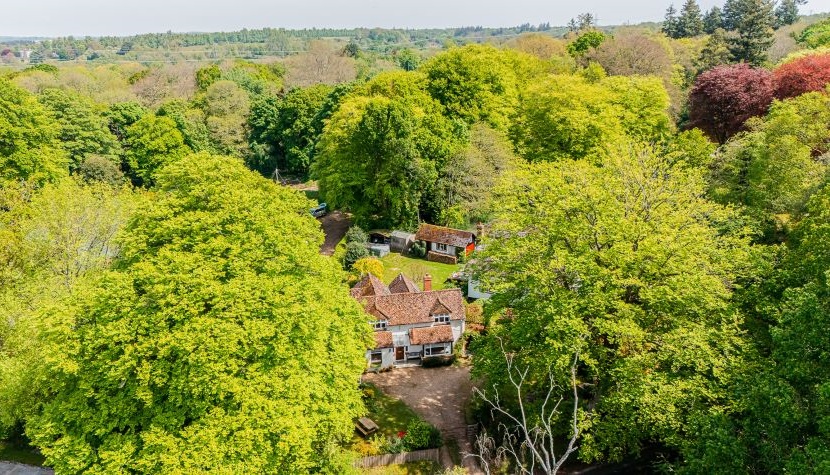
[410, 324]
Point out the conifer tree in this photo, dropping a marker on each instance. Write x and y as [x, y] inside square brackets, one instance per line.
[690, 22]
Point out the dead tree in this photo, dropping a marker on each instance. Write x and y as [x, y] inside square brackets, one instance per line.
[530, 446]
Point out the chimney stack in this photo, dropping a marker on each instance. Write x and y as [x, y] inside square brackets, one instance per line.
[427, 282]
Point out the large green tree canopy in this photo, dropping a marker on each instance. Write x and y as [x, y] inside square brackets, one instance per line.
[29, 147]
[380, 153]
[571, 117]
[220, 340]
[84, 131]
[625, 263]
[480, 83]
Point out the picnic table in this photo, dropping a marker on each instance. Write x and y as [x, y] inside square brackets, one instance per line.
[366, 426]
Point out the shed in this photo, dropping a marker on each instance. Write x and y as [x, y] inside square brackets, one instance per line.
[401, 241]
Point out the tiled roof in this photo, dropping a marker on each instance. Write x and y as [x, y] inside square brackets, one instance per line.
[383, 340]
[427, 335]
[440, 234]
[412, 308]
[369, 286]
[403, 284]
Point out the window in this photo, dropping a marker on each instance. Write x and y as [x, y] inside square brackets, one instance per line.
[377, 357]
[441, 318]
[436, 350]
[440, 247]
[379, 325]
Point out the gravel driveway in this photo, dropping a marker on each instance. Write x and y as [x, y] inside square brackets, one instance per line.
[439, 395]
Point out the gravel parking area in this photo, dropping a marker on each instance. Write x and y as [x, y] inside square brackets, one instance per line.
[439, 395]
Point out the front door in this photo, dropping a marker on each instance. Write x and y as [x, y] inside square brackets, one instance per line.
[398, 353]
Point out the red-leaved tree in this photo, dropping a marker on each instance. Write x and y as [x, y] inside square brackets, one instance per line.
[807, 74]
[724, 97]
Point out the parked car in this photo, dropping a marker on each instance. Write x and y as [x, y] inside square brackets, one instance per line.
[320, 210]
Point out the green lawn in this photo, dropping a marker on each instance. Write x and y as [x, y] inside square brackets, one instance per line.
[390, 414]
[13, 453]
[414, 468]
[394, 264]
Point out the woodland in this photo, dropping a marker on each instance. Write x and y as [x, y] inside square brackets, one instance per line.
[658, 241]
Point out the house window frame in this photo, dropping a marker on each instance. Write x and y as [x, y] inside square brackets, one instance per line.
[380, 325]
[441, 319]
[429, 349]
[373, 354]
[441, 247]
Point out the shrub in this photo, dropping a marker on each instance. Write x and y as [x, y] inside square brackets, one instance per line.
[357, 234]
[436, 361]
[368, 265]
[418, 249]
[354, 252]
[421, 435]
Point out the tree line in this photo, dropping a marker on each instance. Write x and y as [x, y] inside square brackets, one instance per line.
[165, 307]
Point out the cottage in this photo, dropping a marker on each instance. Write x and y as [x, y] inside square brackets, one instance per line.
[410, 324]
[444, 244]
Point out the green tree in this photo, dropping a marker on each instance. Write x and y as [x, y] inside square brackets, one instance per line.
[478, 83]
[468, 178]
[205, 77]
[585, 43]
[226, 107]
[671, 25]
[715, 52]
[776, 167]
[713, 20]
[84, 129]
[153, 142]
[182, 358]
[778, 417]
[380, 152]
[690, 22]
[284, 131]
[566, 117]
[752, 22]
[627, 264]
[64, 233]
[29, 147]
[786, 13]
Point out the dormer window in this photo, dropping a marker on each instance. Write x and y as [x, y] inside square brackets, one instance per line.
[442, 318]
[379, 325]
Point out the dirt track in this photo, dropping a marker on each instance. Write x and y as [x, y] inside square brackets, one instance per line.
[335, 225]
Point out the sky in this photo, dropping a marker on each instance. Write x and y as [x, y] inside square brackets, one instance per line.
[98, 18]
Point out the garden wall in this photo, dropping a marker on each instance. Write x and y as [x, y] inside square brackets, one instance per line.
[433, 256]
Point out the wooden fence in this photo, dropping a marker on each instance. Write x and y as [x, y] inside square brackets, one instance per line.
[394, 459]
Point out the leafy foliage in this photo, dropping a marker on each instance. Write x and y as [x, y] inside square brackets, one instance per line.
[627, 264]
[723, 98]
[153, 142]
[565, 117]
[29, 148]
[801, 75]
[182, 357]
[379, 154]
[83, 130]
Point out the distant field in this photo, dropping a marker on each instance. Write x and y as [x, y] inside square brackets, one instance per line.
[394, 264]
